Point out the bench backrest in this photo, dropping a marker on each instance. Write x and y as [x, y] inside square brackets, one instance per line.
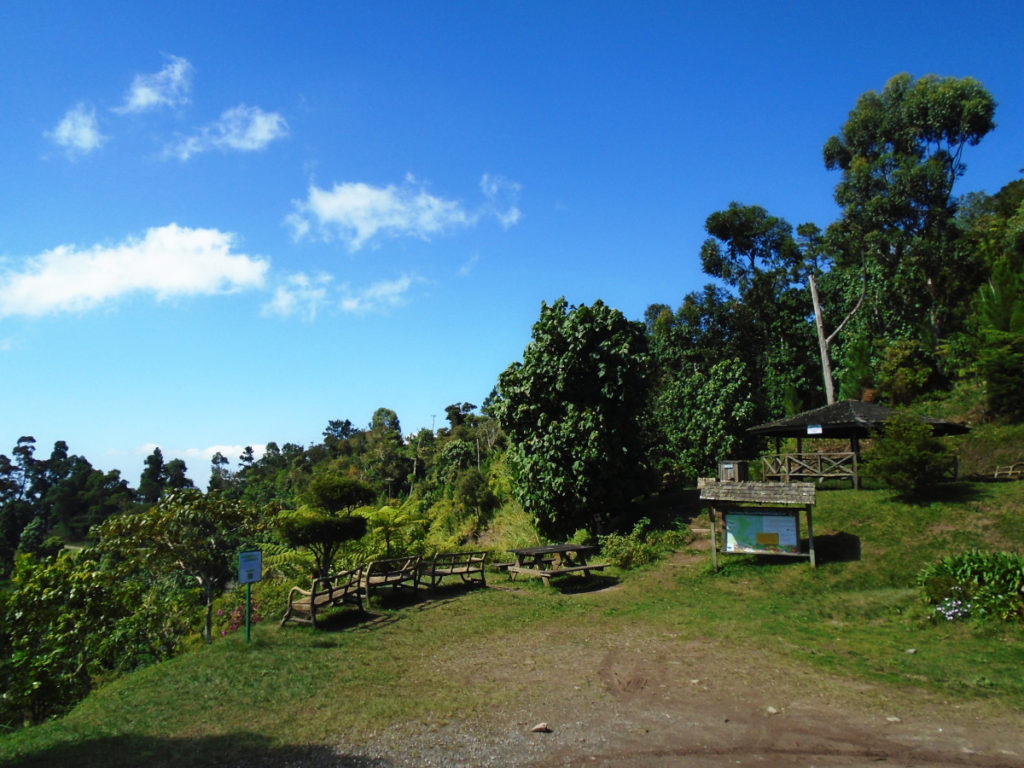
[339, 581]
[458, 559]
[394, 565]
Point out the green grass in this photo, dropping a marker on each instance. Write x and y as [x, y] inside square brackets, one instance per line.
[293, 691]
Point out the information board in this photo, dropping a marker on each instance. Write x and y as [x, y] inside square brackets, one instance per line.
[250, 567]
[762, 531]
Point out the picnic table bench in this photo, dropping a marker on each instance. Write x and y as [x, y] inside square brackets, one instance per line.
[397, 573]
[467, 565]
[553, 560]
[326, 592]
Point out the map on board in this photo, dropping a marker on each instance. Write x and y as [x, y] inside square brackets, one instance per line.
[766, 532]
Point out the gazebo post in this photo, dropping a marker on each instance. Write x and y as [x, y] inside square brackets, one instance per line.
[855, 449]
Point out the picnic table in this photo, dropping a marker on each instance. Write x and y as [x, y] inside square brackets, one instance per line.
[553, 560]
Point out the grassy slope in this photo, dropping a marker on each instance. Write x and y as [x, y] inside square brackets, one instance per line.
[291, 690]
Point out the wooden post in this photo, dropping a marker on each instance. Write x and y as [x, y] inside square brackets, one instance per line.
[714, 538]
[810, 537]
[855, 447]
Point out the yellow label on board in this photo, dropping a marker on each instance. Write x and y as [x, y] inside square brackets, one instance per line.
[768, 539]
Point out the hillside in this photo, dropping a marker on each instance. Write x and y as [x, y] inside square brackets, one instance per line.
[841, 664]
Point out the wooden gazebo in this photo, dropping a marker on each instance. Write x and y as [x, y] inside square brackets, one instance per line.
[851, 420]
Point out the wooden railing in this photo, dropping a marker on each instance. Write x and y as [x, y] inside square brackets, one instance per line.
[818, 466]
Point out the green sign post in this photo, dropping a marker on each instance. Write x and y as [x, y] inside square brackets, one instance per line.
[250, 569]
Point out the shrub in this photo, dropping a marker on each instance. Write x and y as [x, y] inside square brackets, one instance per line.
[975, 583]
[511, 528]
[630, 550]
[907, 457]
[671, 539]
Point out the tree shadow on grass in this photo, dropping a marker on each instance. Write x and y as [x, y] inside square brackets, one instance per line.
[828, 548]
[249, 749]
[571, 584]
[836, 548]
[388, 605]
[954, 492]
[450, 589]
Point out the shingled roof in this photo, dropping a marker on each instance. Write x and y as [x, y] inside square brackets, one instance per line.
[848, 419]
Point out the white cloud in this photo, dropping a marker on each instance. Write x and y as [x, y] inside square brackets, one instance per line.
[167, 88]
[502, 198]
[380, 296]
[355, 212]
[169, 261]
[241, 128]
[78, 131]
[300, 294]
[230, 452]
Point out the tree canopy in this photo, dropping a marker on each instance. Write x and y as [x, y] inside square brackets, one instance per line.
[899, 153]
[571, 412]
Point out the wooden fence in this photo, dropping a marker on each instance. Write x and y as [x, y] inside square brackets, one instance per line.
[817, 466]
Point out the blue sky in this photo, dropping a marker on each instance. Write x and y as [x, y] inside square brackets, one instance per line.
[228, 223]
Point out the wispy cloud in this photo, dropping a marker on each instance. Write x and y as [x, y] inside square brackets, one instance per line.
[169, 87]
[469, 265]
[502, 199]
[299, 295]
[167, 262]
[355, 212]
[380, 296]
[240, 129]
[77, 132]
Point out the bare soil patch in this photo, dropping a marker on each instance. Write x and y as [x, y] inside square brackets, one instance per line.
[638, 699]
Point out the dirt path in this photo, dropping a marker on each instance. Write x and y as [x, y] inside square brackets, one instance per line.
[659, 703]
[639, 699]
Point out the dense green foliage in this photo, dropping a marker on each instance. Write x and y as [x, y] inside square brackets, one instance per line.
[975, 583]
[70, 622]
[571, 411]
[197, 535]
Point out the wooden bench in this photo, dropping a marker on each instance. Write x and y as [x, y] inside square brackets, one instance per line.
[397, 573]
[546, 573]
[338, 589]
[467, 565]
[1012, 471]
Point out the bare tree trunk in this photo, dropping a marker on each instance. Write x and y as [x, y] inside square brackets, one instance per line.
[825, 342]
